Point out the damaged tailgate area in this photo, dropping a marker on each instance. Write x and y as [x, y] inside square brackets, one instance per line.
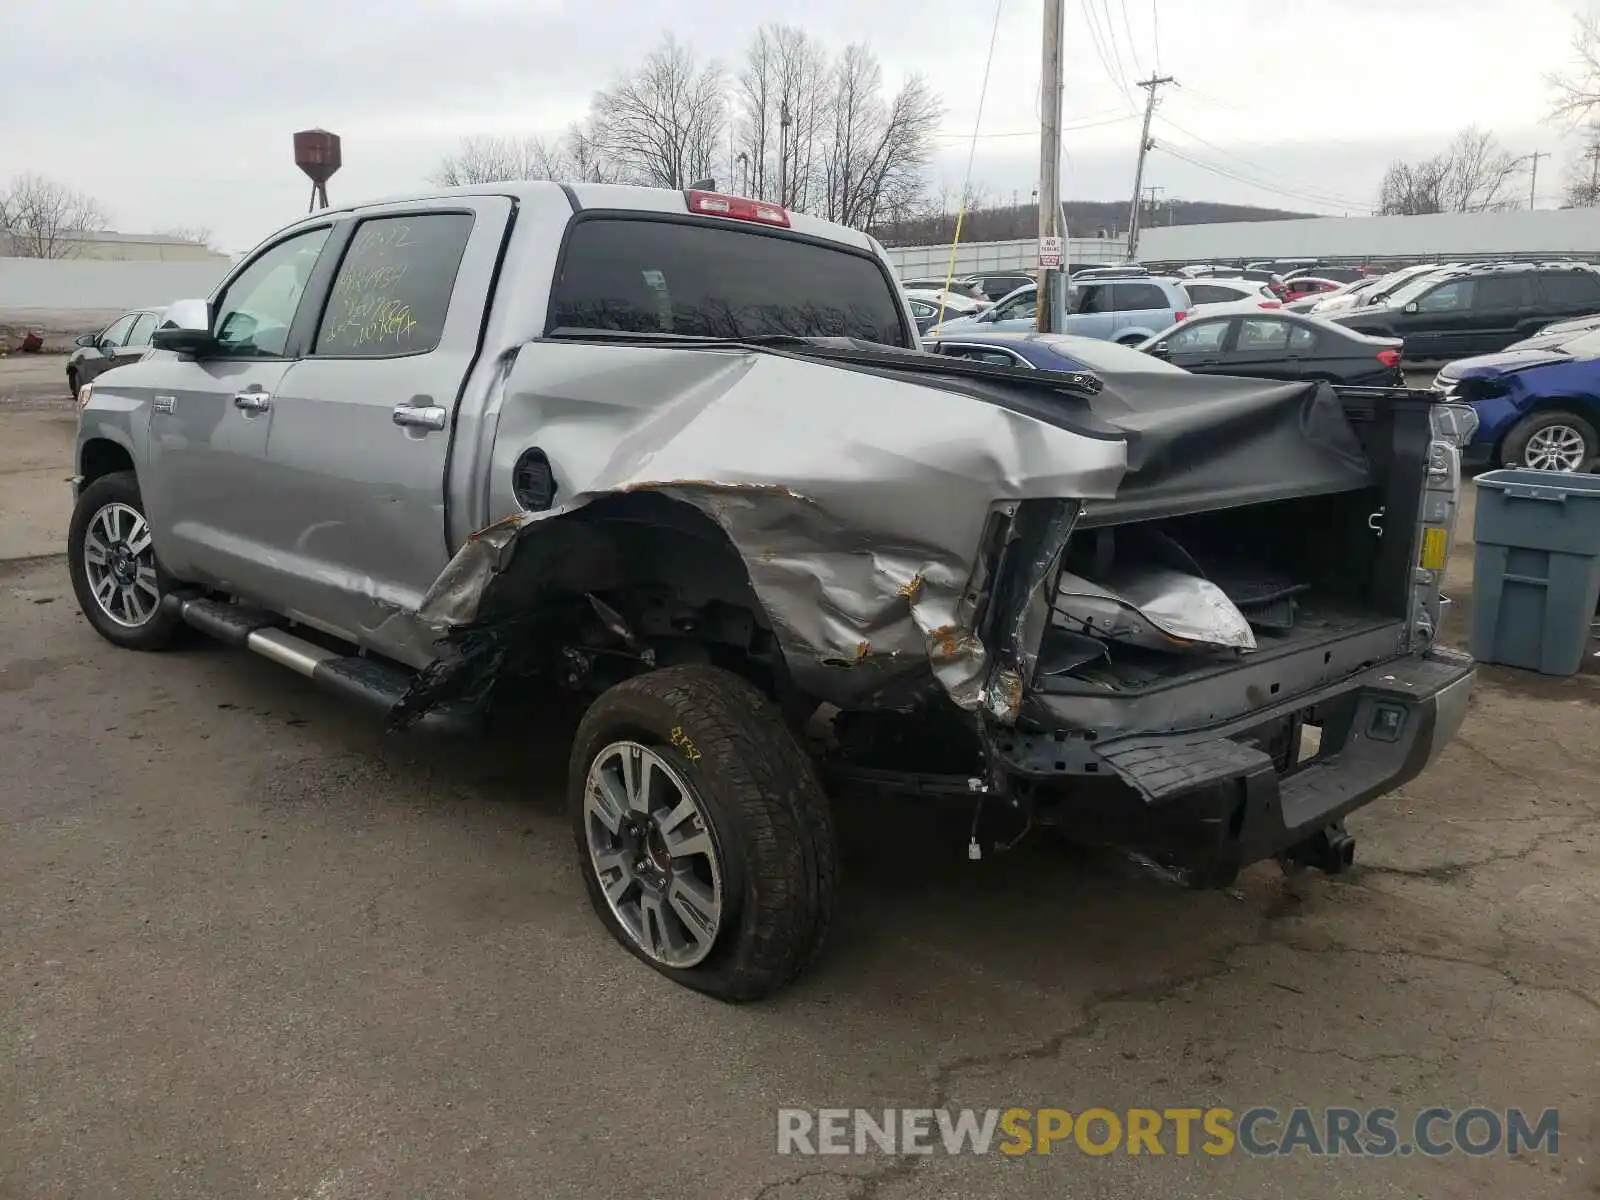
[870, 495]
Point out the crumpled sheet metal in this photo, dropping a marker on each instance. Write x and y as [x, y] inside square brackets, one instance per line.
[857, 502]
[1153, 607]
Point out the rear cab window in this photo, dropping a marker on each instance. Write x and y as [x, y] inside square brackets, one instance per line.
[652, 276]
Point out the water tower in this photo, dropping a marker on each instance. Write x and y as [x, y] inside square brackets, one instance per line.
[316, 152]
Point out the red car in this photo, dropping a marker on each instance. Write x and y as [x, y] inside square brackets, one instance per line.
[1302, 286]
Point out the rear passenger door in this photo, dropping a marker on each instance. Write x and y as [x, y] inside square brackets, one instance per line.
[1501, 305]
[361, 425]
[1140, 307]
[1268, 348]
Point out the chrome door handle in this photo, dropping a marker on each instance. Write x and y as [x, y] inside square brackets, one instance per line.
[252, 401]
[420, 417]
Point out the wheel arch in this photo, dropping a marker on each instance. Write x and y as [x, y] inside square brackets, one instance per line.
[1587, 407]
[101, 456]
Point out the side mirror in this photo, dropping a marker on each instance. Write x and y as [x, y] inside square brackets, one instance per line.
[1411, 308]
[1160, 350]
[87, 341]
[185, 327]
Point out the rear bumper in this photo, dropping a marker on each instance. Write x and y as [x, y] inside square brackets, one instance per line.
[1228, 796]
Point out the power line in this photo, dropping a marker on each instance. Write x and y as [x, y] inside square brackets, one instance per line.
[1330, 197]
[1116, 47]
[1127, 26]
[1033, 133]
[1120, 82]
[1259, 186]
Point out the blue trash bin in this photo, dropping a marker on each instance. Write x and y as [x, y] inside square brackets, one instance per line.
[1536, 572]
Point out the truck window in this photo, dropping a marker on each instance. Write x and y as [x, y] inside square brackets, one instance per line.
[254, 314]
[644, 276]
[393, 288]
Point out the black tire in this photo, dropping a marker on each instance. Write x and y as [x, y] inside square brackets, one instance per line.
[164, 626]
[72, 382]
[767, 815]
[1135, 340]
[1515, 447]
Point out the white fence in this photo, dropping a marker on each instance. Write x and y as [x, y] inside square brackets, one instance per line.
[973, 258]
[95, 285]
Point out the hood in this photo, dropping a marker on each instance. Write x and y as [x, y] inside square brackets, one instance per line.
[1487, 366]
[963, 324]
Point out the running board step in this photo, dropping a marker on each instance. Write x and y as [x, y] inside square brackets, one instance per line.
[369, 681]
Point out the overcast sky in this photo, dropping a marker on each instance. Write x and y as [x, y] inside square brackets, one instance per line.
[181, 114]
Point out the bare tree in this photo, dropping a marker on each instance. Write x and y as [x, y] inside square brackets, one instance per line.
[1577, 90]
[493, 159]
[43, 219]
[781, 115]
[663, 124]
[875, 160]
[584, 159]
[1473, 174]
[1581, 188]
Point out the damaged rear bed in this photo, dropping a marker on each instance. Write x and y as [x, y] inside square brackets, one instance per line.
[1155, 580]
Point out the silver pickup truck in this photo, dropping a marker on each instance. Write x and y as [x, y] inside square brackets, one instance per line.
[680, 456]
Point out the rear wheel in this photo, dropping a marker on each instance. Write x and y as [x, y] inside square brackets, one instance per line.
[1554, 440]
[112, 561]
[1135, 339]
[72, 382]
[704, 838]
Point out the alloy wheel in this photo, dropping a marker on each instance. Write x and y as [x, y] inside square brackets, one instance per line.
[1555, 448]
[120, 562]
[651, 846]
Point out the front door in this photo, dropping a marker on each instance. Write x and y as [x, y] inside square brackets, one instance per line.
[209, 495]
[361, 426]
[1443, 320]
[1199, 346]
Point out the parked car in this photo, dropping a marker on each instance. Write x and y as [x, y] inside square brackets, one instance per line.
[964, 288]
[927, 312]
[1049, 352]
[1207, 294]
[1001, 283]
[1538, 403]
[1478, 310]
[1280, 346]
[956, 303]
[1337, 274]
[1300, 286]
[123, 341]
[1557, 333]
[681, 456]
[1126, 310]
[1371, 290]
[1113, 271]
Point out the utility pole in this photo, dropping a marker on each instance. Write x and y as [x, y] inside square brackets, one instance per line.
[783, 153]
[1594, 173]
[1153, 201]
[1149, 85]
[1050, 166]
[1533, 180]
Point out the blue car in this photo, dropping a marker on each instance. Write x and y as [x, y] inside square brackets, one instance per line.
[1048, 352]
[1537, 406]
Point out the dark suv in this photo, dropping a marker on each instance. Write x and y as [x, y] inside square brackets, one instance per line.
[1479, 310]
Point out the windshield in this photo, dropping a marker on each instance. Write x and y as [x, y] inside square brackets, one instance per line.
[690, 279]
[1108, 356]
[1409, 291]
[1583, 346]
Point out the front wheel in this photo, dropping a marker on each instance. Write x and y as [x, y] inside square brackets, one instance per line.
[1553, 440]
[112, 561]
[703, 835]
